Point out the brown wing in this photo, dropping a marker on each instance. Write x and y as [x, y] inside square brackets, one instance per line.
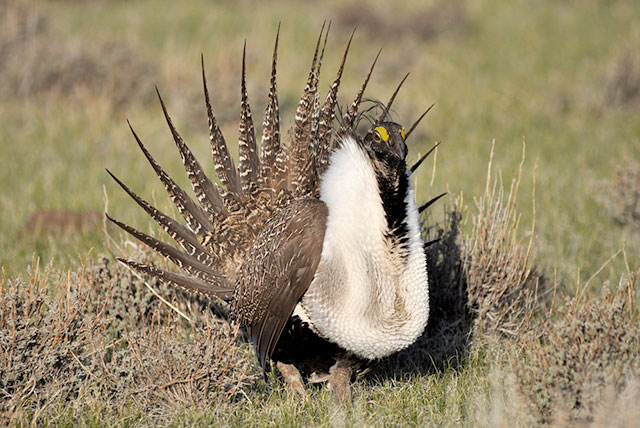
[278, 270]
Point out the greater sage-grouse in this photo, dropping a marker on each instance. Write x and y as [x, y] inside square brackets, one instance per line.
[316, 243]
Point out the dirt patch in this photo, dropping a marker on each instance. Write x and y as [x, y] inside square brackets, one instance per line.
[48, 222]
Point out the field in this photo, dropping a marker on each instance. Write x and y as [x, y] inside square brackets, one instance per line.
[535, 309]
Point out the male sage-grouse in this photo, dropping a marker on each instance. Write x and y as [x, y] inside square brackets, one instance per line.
[316, 243]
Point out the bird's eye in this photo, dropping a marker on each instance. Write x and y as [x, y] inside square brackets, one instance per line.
[376, 137]
[381, 133]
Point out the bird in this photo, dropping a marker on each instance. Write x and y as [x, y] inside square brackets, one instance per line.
[314, 240]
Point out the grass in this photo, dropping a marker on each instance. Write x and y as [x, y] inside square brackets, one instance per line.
[561, 76]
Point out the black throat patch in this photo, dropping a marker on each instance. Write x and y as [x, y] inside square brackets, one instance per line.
[393, 185]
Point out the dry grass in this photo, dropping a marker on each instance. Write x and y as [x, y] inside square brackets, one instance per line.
[575, 363]
[101, 339]
[44, 341]
[504, 283]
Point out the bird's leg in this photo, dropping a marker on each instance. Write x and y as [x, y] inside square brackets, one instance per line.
[293, 378]
[340, 380]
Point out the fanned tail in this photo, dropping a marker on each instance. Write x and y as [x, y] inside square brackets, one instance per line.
[225, 218]
[208, 195]
[194, 215]
[201, 256]
[180, 258]
[191, 284]
[183, 236]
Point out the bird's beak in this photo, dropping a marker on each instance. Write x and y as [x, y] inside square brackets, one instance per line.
[399, 146]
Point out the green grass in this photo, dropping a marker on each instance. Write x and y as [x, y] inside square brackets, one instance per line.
[515, 71]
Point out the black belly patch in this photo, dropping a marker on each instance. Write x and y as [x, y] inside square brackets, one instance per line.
[302, 347]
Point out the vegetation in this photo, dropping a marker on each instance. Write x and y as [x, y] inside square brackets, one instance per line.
[535, 310]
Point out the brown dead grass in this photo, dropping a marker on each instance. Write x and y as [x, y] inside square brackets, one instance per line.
[103, 339]
[504, 284]
[574, 364]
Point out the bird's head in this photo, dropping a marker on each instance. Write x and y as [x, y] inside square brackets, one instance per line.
[384, 143]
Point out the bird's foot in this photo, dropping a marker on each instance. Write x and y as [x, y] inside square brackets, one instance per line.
[340, 380]
[293, 378]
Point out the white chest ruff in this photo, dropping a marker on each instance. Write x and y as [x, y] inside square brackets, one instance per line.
[364, 297]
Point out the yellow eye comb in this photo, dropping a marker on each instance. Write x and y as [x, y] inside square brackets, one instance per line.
[383, 133]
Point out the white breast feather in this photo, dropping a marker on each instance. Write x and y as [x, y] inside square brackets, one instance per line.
[365, 298]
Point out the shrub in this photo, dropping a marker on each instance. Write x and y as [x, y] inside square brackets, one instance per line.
[580, 353]
[44, 340]
[504, 284]
[102, 340]
[622, 196]
[622, 81]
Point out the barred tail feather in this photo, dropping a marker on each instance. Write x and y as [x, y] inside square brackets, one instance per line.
[221, 289]
[207, 194]
[301, 133]
[326, 118]
[271, 126]
[222, 160]
[180, 258]
[350, 115]
[197, 220]
[248, 164]
[183, 236]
